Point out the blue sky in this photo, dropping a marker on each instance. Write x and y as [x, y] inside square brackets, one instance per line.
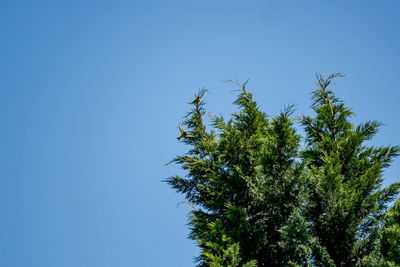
[91, 93]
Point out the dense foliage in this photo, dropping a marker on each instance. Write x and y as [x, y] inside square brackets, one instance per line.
[261, 199]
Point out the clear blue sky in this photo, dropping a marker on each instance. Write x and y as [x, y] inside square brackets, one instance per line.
[91, 93]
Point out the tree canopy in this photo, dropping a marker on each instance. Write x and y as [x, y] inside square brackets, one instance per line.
[261, 198]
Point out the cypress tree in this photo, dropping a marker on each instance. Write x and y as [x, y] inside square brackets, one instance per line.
[347, 201]
[243, 182]
[259, 199]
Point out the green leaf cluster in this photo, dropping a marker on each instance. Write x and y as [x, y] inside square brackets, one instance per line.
[260, 198]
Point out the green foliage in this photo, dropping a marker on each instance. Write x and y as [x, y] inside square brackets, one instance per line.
[295, 240]
[259, 199]
[346, 199]
[220, 251]
[390, 241]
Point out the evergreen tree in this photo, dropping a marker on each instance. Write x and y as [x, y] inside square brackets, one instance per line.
[259, 200]
[346, 200]
[243, 180]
